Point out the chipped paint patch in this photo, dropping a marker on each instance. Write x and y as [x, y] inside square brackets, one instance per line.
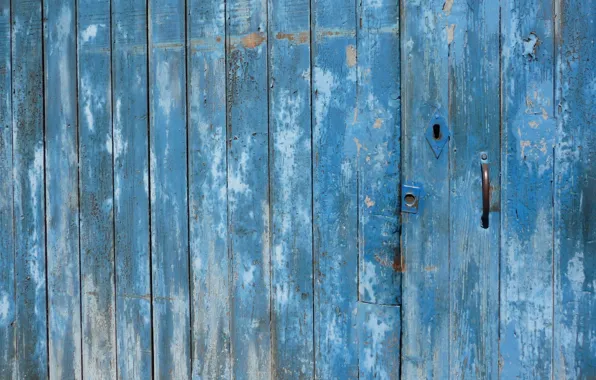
[253, 40]
[450, 33]
[351, 55]
[378, 123]
[369, 202]
[447, 6]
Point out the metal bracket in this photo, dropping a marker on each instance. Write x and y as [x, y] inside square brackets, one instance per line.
[437, 133]
[410, 197]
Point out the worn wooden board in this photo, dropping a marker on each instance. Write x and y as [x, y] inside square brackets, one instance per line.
[248, 187]
[96, 189]
[210, 267]
[335, 187]
[378, 137]
[474, 119]
[29, 206]
[528, 130]
[131, 189]
[291, 189]
[379, 332]
[168, 189]
[575, 181]
[62, 189]
[425, 235]
[7, 288]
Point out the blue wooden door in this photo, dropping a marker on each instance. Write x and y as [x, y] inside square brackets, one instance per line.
[297, 189]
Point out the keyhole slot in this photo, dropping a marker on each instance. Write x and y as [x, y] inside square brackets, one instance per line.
[410, 200]
[437, 131]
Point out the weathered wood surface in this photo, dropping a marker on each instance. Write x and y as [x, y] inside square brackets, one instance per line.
[30, 288]
[62, 189]
[425, 235]
[131, 189]
[215, 187]
[575, 181]
[528, 130]
[291, 189]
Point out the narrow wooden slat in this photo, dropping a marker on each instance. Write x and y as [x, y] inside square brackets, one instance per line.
[62, 189]
[131, 188]
[96, 189]
[379, 329]
[28, 171]
[291, 189]
[378, 133]
[474, 107]
[7, 288]
[208, 191]
[248, 187]
[335, 151]
[425, 235]
[528, 129]
[575, 181]
[168, 189]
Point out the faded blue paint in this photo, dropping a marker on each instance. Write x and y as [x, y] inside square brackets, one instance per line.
[528, 130]
[168, 189]
[29, 208]
[291, 189]
[210, 267]
[131, 188]
[575, 181]
[62, 192]
[379, 335]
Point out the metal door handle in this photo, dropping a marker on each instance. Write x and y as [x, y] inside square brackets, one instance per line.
[485, 194]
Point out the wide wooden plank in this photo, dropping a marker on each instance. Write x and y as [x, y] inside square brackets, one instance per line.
[425, 234]
[7, 289]
[29, 207]
[474, 117]
[378, 133]
[528, 132]
[575, 181]
[168, 189]
[62, 195]
[291, 189]
[379, 329]
[131, 188]
[248, 187]
[208, 207]
[335, 188]
[96, 189]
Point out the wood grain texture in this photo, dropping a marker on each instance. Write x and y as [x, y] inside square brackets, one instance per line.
[248, 187]
[96, 189]
[575, 181]
[29, 207]
[7, 288]
[379, 330]
[131, 188]
[168, 189]
[378, 137]
[425, 235]
[335, 188]
[528, 130]
[291, 189]
[474, 117]
[62, 189]
[210, 267]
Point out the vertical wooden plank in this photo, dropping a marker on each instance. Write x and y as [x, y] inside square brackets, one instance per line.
[528, 130]
[474, 115]
[575, 181]
[62, 195]
[379, 329]
[335, 187]
[7, 288]
[379, 128]
[29, 207]
[291, 189]
[131, 188]
[425, 235]
[208, 191]
[168, 188]
[96, 189]
[248, 186]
